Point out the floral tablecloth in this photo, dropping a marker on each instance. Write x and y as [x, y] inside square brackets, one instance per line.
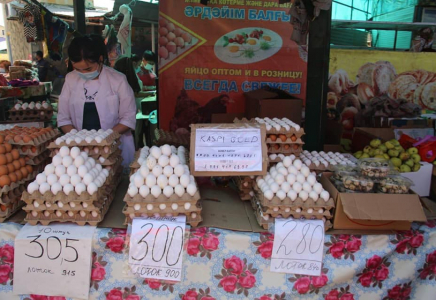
[223, 264]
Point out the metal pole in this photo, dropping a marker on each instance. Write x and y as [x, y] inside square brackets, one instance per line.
[8, 40]
[79, 16]
[317, 80]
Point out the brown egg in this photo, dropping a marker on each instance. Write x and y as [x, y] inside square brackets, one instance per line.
[283, 137]
[293, 138]
[11, 168]
[286, 147]
[9, 138]
[3, 207]
[33, 149]
[3, 170]
[296, 147]
[8, 147]
[15, 154]
[2, 139]
[22, 162]
[16, 164]
[24, 172]
[24, 149]
[27, 138]
[18, 138]
[4, 180]
[3, 160]
[13, 177]
[273, 137]
[29, 168]
[19, 175]
[2, 149]
[9, 158]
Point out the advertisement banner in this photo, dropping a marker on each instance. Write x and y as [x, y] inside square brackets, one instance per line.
[210, 55]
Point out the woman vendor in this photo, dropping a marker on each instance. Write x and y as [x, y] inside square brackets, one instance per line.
[95, 96]
[146, 74]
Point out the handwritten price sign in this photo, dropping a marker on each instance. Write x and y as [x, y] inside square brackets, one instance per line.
[298, 247]
[53, 260]
[156, 247]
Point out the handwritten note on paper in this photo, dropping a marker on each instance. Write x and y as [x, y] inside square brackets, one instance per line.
[228, 150]
[298, 247]
[53, 260]
[156, 247]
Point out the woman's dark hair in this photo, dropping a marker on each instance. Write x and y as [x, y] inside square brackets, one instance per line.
[135, 58]
[88, 47]
[149, 56]
[125, 66]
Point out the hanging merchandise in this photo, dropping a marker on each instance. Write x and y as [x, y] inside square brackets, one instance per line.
[55, 33]
[30, 16]
[112, 45]
[125, 31]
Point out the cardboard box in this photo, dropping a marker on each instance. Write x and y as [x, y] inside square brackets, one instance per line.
[373, 211]
[273, 103]
[421, 179]
[362, 136]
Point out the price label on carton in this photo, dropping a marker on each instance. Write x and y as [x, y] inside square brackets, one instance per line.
[53, 260]
[298, 247]
[156, 247]
[228, 150]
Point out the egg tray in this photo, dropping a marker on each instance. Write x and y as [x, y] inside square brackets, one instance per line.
[108, 141]
[282, 211]
[4, 215]
[195, 206]
[134, 166]
[243, 183]
[287, 202]
[94, 206]
[245, 196]
[42, 114]
[282, 130]
[26, 150]
[282, 150]
[112, 149]
[12, 195]
[163, 137]
[20, 184]
[37, 160]
[189, 220]
[39, 141]
[112, 159]
[299, 141]
[163, 199]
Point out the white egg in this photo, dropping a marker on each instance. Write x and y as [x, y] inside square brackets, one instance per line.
[59, 141]
[317, 187]
[311, 179]
[79, 161]
[150, 207]
[283, 171]
[60, 170]
[297, 164]
[325, 196]
[82, 170]
[91, 161]
[179, 170]
[101, 159]
[279, 179]
[156, 191]
[168, 171]
[174, 160]
[132, 191]
[281, 194]
[174, 206]
[297, 187]
[287, 162]
[144, 171]
[166, 150]
[313, 195]
[179, 190]
[168, 191]
[64, 179]
[279, 165]
[144, 191]
[273, 169]
[151, 162]
[49, 169]
[41, 178]
[303, 195]
[173, 180]
[292, 195]
[150, 180]
[293, 170]
[64, 151]
[270, 181]
[92, 188]
[163, 161]
[80, 188]
[305, 171]
[57, 160]
[301, 178]
[162, 181]
[71, 170]
[138, 180]
[307, 162]
[286, 187]
[87, 179]
[307, 187]
[157, 170]
[155, 152]
[274, 187]
[191, 189]
[32, 187]
[184, 180]
[84, 155]
[52, 179]
[44, 187]
[291, 178]
[269, 194]
[321, 211]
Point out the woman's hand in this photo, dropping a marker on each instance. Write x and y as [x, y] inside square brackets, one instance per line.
[121, 129]
[67, 128]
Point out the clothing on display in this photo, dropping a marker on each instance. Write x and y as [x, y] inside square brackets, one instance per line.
[55, 33]
[125, 31]
[30, 16]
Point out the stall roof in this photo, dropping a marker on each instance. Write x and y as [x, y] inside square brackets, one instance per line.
[65, 11]
[144, 10]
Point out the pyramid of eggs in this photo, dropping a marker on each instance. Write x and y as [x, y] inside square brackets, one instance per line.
[77, 186]
[162, 186]
[323, 161]
[290, 190]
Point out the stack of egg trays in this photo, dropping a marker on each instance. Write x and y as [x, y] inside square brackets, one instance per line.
[188, 205]
[244, 185]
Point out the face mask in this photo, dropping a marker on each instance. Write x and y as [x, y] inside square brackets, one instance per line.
[148, 67]
[89, 76]
[2, 70]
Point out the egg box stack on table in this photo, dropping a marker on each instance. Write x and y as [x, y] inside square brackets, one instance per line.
[163, 186]
[73, 188]
[163, 137]
[282, 135]
[245, 185]
[31, 111]
[325, 161]
[290, 190]
[102, 145]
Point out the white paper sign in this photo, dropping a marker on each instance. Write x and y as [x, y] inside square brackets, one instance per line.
[228, 150]
[156, 247]
[53, 260]
[298, 247]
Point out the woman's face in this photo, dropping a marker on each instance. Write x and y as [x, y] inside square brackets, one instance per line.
[86, 66]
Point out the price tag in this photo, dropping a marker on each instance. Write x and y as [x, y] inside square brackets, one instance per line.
[298, 247]
[53, 260]
[228, 150]
[156, 247]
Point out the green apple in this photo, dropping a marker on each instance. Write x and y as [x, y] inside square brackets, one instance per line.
[389, 145]
[405, 169]
[416, 167]
[395, 142]
[378, 152]
[383, 148]
[410, 163]
[380, 156]
[412, 151]
[399, 149]
[367, 149]
[371, 153]
[393, 153]
[364, 155]
[416, 158]
[358, 154]
[386, 156]
[396, 161]
[375, 143]
[404, 156]
[434, 163]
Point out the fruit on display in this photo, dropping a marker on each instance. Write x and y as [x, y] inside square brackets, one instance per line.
[395, 185]
[403, 160]
[375, 167]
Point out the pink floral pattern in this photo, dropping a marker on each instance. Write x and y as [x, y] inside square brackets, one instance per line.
[399, 292]
[203, 241]
[6, 264]
[123, 294]
[237, 275]
[193, 294]
[304, 284]
[344, 245]
[339, 294]
[156, 284]
[41, 297]
[375, 272]
[265, 245]
[428, 270]
[98, 272]
[116, 240]
[271, 297]
[407, 242]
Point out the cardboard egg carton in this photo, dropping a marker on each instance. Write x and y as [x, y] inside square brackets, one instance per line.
[20, 185]
[108, 141]
[32, 151]
[186, 198]
[59, 205]
[288, 140]
[287, 212]
[143, 208]
[244, 182]
[287, 202]
[37, 160]
[245, 196]
[12, 208]
[13, 194]
[194, 222]
[43, 114]
[42, 140]
[113, 159]
[282, 130]
[101, 149]
[282, 150]
[163, 137]
[134, 166]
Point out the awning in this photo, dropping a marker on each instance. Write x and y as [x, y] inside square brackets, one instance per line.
[145, 11]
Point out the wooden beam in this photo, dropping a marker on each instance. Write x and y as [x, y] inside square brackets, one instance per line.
[79, 16]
